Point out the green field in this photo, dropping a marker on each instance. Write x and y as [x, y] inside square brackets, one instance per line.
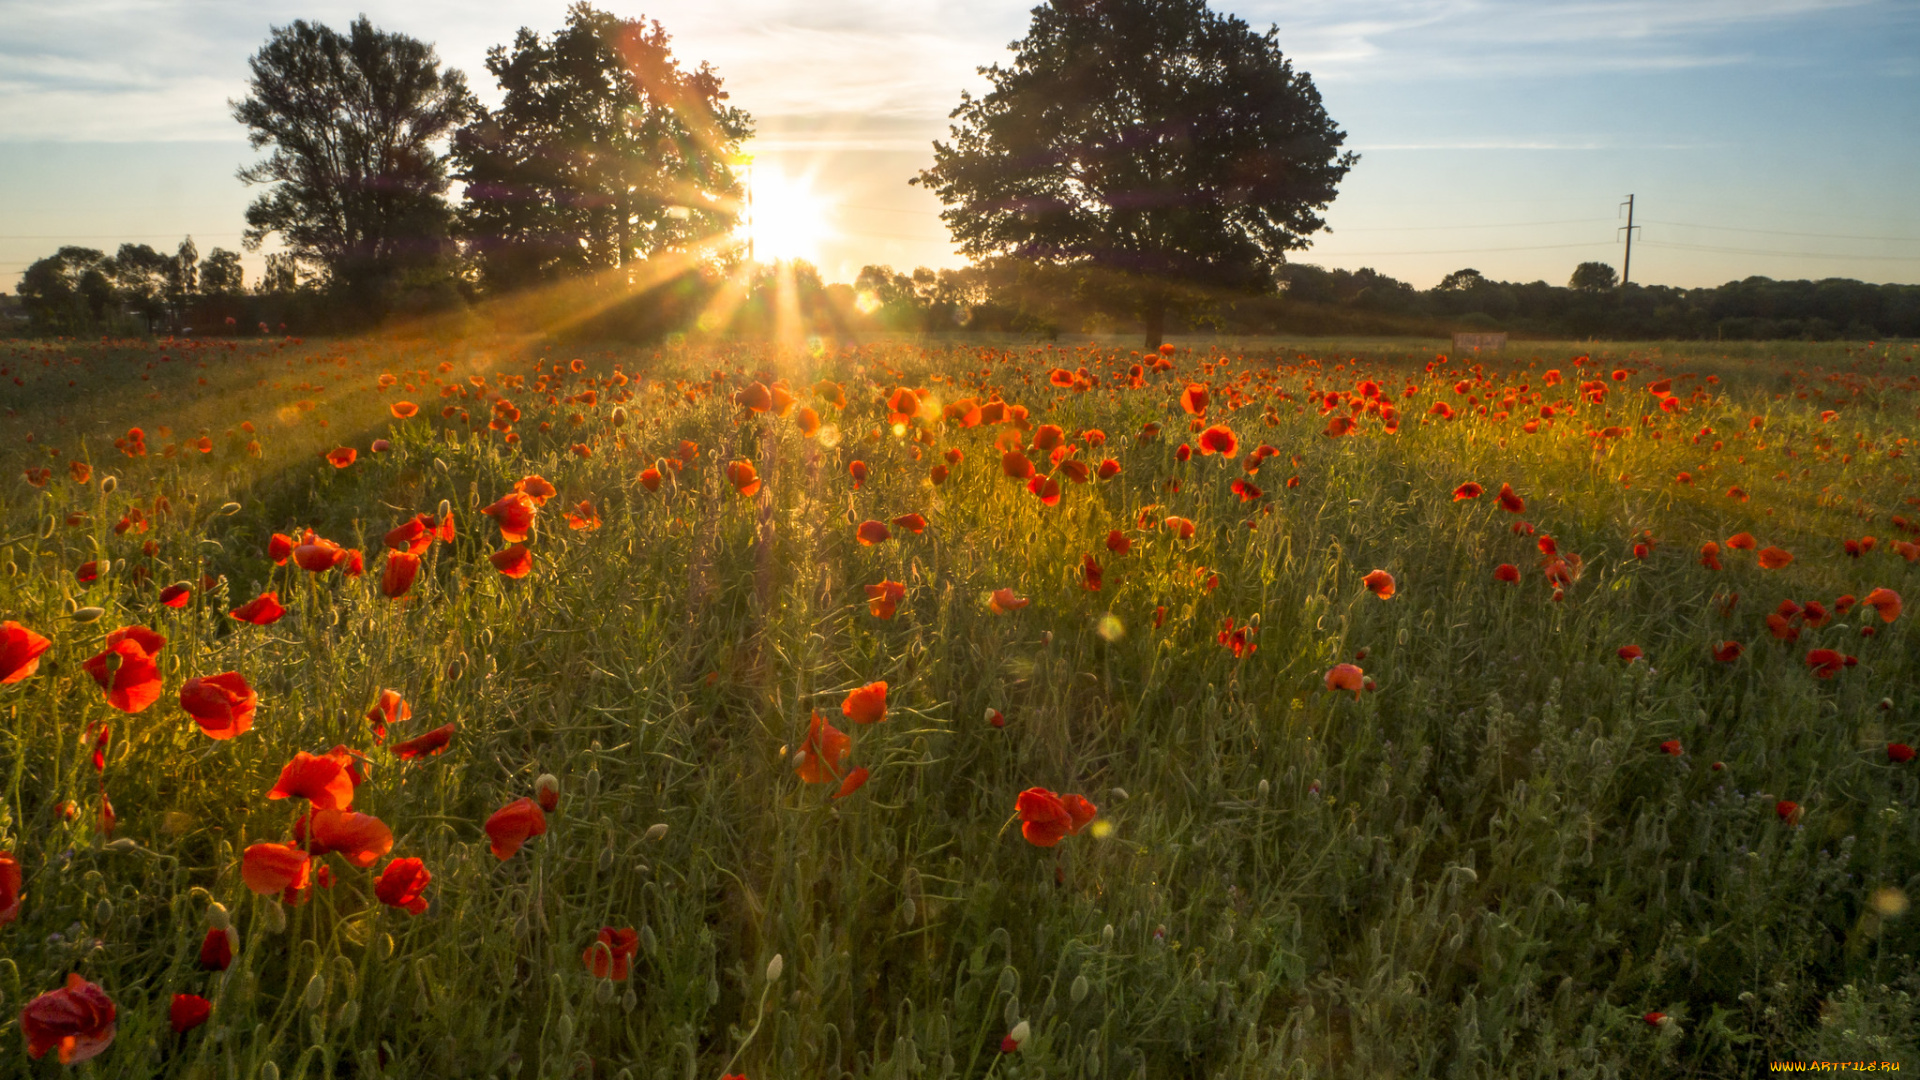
[1510, 852]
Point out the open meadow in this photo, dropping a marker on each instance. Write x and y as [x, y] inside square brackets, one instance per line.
[457, 706]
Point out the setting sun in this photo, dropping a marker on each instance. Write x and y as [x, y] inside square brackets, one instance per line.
[788, 218]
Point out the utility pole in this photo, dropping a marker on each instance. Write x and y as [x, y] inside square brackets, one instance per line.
[1626, 264]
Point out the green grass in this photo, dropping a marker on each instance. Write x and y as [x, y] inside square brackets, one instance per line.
[1484, 866]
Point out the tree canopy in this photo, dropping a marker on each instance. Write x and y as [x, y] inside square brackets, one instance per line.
[1155, 140]
[358, 181]
[604, 151]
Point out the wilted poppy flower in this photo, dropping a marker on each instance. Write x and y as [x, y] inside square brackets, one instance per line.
[1090, 572]
[858, 470]
[1884, 601]
[401, 884]
[321, 779]
[261, 610]
[1630, 653]
[1346, 677]
[1468, 490]
[884, 599]
[867, 705]
[275, 868]
[20, 650]
[611, 953]
[425, 745]
[1003, 601]
[216, 949]
[1380, 583]
[1047, 818]
[744, 479]
[221, 704]
[1773, 558]
[1218, 439]
[514, 561]
[341, 457]
[514, 513]
[819, 759]
[1741, 542]
[359, 838]
[512, 825]
[389, 708]
[1507, 572]
[1788, 811]
[871, 532]
[126, 668]
[1238, 640]
[1728, 651]
[77, 1019]
[1510, 502]
[913, 523]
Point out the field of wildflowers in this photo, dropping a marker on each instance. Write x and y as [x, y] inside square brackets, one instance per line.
[408, 707]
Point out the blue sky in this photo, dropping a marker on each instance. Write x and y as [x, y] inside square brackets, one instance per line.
[1775, 137]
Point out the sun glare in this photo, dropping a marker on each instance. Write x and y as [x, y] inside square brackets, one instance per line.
[788, 220]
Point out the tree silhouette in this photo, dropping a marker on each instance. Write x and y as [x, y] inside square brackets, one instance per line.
[358, 183]
[1153, 142]
[1592, 277]
[603, 152]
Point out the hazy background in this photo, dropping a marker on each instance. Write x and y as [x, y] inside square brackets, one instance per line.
[1774, 137]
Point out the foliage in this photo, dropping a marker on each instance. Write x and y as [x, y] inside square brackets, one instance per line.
[1488, 862]
[1153, 140]
[70, 291]
[358, 181]
[1593, 277]
[603, 153]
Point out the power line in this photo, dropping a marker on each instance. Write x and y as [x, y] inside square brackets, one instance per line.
[1780, 232]
[1463, 251]
[113, 236]
[1781, 254]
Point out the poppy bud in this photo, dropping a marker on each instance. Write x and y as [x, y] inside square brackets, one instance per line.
[88, 614]
[546, 789]
[316, 992]
[1263, 789]
[603, 991]
[1079, 991]
[1106, 934]
[592, 784]
[655, 832]
[274, 916]
[1019, 1033]
[1886, 704]
[108, 485]
[649, 940]
[122, 845]
[269, 1071]
[996, 718]
[217, 916]
[774, 967]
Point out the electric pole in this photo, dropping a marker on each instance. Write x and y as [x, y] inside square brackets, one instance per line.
[1626, 264]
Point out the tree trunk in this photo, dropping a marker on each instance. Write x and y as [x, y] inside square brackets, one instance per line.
[1155, 318]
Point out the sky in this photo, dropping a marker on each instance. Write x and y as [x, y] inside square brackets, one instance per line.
[1770, 137]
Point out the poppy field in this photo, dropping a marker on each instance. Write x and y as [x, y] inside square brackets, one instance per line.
[409, 706]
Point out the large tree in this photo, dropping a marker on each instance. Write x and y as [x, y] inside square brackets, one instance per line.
[1154, 142]
[70, 291]
[604, 151]
[355, 122]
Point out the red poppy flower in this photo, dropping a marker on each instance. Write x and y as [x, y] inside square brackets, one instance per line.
[413, 537]
[359, 838]
[126, 668]
[1710, 555]
[1183, 453]
[1090, 572]
[216, 949]
[1003, 601]
[1015, 465]
[10, 881]
[744, 479]
[884, 599]
[389, 708]
[403, 410]
[261, 610]
[1728, 651]
[401, 884]
[1788, 811]
[903, 405]
[514, 561]
[1468, 490]
[514, 512]
[1047, 818]
[1630, 653]
[512, 825]
[317, 555]
[1510, 502]
[396, 577]
[913, 523]
[1218, 439]
[321, 779]
[871, 532]
[1194, 399]
[611, 953]
[858, 470]
[176, 596]
[1179, 526]
[1380, 583]
[77, 1019]
[754, 396]
[1672, 748]
[819, 758]
[867, 705]
[187, 1012]
[1338, 426]
[1884, 601]
[20, 650]
[1773, 558]
[1897, 753]
[424, 745]
[221, 704]
[1118, 542]
[1507, 572]
[1741, 542]
[1653, 1019]
[1046, 489]
[1826, 663]
[1108, 469]
[583, 516]
[537, 488]
[855, 780]
[275, 868]
[341, 457]
[1346, 677]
